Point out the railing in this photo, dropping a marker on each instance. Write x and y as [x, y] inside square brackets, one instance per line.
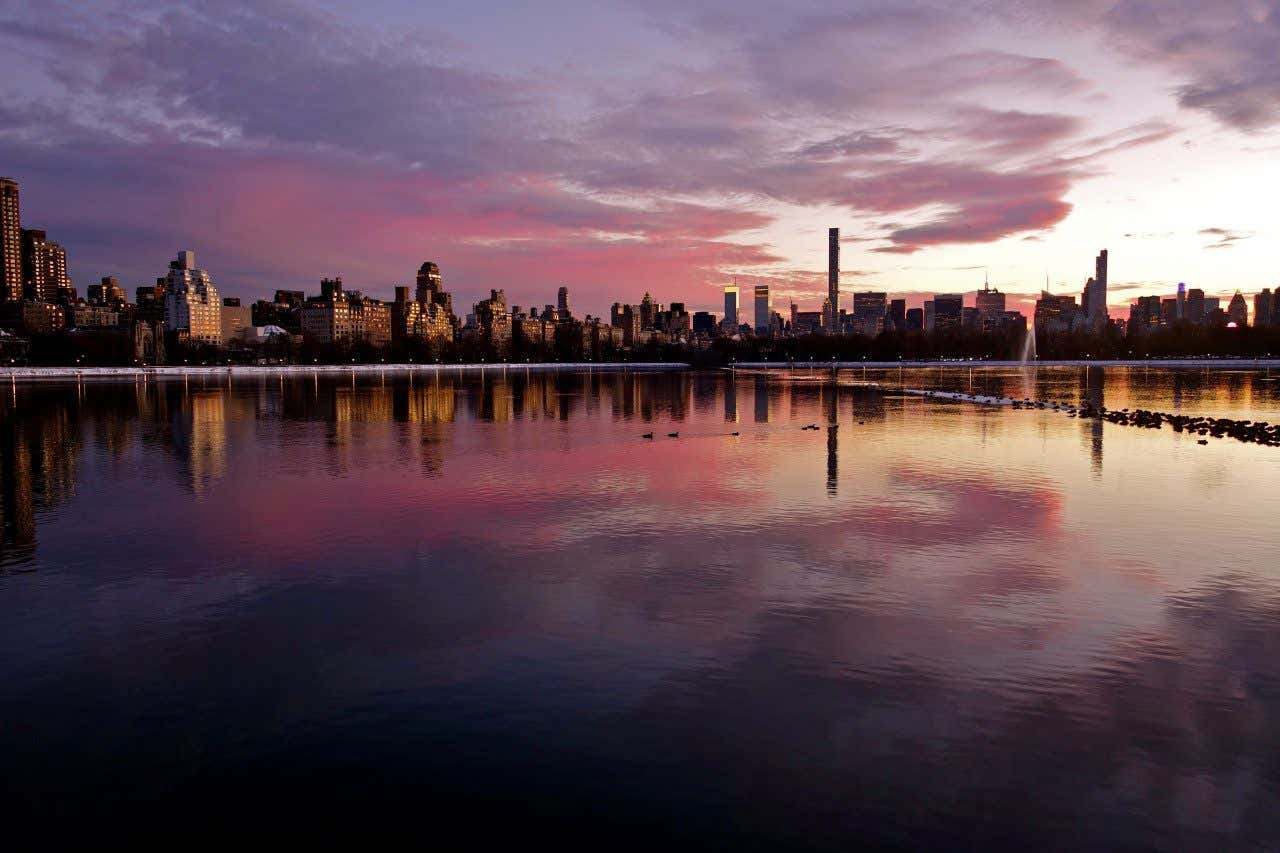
[37, 374]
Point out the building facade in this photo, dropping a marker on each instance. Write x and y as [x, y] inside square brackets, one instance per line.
[1194, 311]
[831, 308]
[192, 308]
[44, 269]
[990, 301]
[763, 309]
[430, 287]
[338, 318]
[869, 311]
[1056, 313]
[1238, 310]
[43, 318]
[948, 311]
[236, 320]
[1094, 299]
[108, 293]
[10, 242]
[429, 322]
[1263, 308]
[731, 308]
[493, 323]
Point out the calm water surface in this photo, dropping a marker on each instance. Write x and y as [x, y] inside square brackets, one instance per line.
[486, 604]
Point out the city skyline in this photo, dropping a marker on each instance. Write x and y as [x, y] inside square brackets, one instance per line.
[35, 271]
[1009, 141]
[183, 314]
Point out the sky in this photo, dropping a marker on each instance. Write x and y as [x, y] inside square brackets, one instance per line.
[620, 147]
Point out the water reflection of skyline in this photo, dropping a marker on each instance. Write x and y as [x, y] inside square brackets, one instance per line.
[46, 429]
[930, 597]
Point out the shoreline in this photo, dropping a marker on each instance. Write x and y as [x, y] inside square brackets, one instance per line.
[45, 374]
[886, 365]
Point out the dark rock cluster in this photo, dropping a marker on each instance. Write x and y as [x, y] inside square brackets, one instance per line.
[1250, 432]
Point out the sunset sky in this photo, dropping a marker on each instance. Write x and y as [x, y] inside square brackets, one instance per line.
[622, 147]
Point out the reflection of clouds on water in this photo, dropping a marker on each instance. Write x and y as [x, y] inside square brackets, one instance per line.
[1167, 741]
[974, 623]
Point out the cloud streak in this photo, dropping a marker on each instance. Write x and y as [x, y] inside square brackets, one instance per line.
[1223, 238]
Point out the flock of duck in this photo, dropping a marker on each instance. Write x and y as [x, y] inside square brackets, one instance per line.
[677, 435]
[1250, 432]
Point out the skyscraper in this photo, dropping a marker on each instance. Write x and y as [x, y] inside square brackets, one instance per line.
[833, 280]
[1263, 307]
[1237, 310]
[870, 303]
[1195, 308]
[430, 287]
[44, 268]
[108, 293]
[192, 307]
[648, 313]
[1213, 313]
[948, 310]
[1096, 304]
[1182, 300]
[1056, 312]
[989, 301]
[869, 309]
[731, 307]
[562, 303]
[10, 242]
[1145, 313]
[898, 314]
[762, 309]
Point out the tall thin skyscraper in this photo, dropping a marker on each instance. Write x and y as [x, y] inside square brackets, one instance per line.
[1182, 300]
[562, 303]
[833, 280]
[762, 309]
[10, 242]
[1096, 310]
[731, 307]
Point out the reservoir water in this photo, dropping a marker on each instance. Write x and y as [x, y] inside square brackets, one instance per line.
[303, 607]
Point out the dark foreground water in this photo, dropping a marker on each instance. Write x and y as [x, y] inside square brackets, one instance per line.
[305, 609]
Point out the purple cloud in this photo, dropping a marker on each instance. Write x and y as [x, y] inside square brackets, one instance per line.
[1225, 53]
[344, 137]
